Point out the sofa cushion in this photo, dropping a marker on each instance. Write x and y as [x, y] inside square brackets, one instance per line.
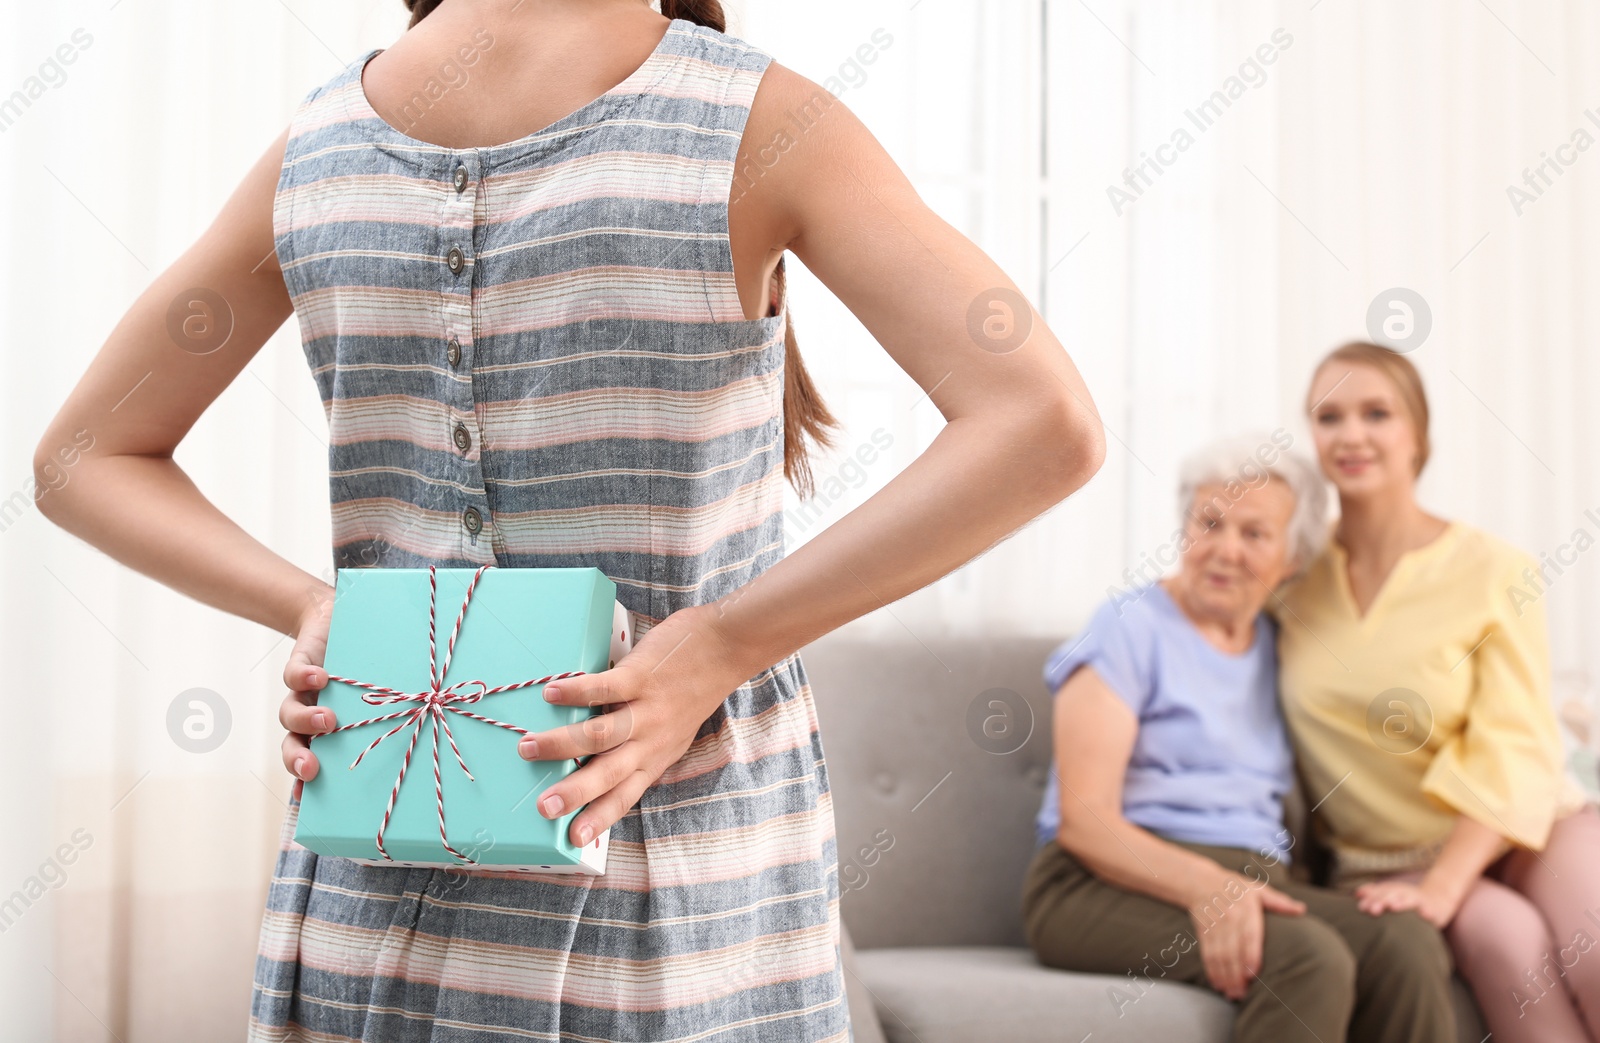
[927, 994]
[972, 994]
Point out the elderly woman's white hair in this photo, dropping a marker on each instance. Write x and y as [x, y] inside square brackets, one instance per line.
[1250, 461]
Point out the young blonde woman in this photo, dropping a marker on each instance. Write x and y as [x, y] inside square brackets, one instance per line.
[536, 254]
[1415, 684]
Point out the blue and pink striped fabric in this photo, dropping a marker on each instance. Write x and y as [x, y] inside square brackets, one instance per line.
[534, 355]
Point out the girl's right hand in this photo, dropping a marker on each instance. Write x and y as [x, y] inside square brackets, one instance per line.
[1232, 930]
[304, 677]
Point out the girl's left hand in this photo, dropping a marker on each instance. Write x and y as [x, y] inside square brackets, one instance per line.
[1385, 896]
[653, 702]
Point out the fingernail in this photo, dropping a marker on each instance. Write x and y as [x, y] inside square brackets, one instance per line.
[585, 834]
[320, 719]
[529, 748]
[552, 805]
[551, 693]
[317, 678]
[299, 766]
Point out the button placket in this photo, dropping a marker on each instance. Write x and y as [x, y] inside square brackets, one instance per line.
[461, 176]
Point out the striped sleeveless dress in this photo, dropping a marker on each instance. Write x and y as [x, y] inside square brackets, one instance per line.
[533, 355]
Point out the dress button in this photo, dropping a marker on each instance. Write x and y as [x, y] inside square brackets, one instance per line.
[461, 179]
[453, 352]
[472, 520]
[463, 439]
[456, 259]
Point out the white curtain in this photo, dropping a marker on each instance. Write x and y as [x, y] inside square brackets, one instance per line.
[1375, 151]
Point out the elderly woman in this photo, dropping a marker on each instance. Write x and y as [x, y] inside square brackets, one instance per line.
[1162, 849]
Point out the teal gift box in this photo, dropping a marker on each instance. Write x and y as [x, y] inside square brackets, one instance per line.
[408, 715]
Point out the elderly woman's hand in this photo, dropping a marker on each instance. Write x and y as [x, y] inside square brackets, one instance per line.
[1232, 929]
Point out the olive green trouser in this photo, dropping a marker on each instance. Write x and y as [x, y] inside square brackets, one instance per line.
[1329, 974]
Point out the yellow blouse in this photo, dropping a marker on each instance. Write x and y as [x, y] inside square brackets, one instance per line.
[1434, 704]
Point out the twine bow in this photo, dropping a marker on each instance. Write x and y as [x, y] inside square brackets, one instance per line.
[433, 705]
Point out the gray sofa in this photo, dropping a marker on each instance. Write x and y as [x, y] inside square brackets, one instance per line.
[938, 750]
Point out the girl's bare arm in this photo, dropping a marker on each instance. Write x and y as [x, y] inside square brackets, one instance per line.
[164, 363]
[1022, 431]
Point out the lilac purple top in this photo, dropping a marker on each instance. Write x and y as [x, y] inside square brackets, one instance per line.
[1212, 762]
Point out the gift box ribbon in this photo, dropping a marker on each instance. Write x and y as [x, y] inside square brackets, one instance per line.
[434, 705]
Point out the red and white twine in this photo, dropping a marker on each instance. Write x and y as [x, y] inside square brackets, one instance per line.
[433, 705]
